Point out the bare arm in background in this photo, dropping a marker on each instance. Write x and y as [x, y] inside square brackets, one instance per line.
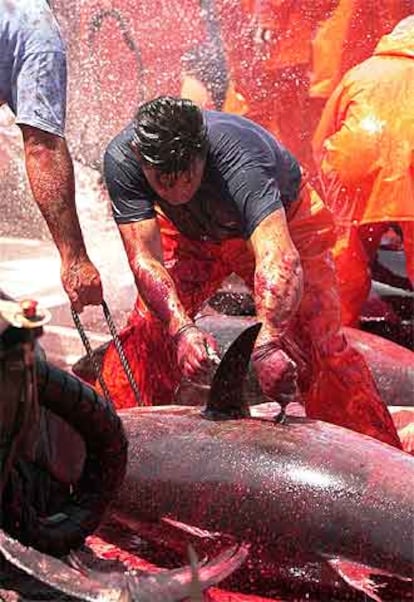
[142, 243]
[50, 171]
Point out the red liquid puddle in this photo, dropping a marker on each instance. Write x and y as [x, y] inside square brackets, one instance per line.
[108, 551]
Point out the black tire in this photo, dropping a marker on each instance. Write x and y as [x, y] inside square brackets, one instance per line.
[103, 471]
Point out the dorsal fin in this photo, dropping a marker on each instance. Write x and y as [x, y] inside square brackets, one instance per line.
[226, 400]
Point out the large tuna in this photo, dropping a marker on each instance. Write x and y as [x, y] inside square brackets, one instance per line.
[306, 495]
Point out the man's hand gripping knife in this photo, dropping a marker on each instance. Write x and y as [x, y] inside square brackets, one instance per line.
[196, 350]
[197, 353]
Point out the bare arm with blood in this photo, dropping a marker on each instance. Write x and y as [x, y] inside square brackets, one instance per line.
[142, 243]
[278, 289]
[50, 172]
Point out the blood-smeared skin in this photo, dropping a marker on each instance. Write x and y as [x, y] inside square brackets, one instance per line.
[158, 291]
[143, 247]
[50, 172]
[278, 292]
[157, 288]
[278, 280]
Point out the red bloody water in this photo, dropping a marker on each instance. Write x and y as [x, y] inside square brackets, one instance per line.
[133, 553]
[108, 551]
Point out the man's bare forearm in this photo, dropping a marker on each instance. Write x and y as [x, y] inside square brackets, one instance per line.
[50, 172]
[159, 293]
[278, 291]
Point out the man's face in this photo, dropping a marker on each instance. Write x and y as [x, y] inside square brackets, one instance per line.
[176, 191]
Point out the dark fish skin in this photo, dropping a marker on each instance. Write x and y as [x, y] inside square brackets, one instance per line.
[299, 492]
[392, 365]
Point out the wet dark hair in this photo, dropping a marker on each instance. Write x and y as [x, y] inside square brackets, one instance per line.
[170, 134]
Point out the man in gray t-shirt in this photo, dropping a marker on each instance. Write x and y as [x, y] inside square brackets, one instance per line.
[33, 84]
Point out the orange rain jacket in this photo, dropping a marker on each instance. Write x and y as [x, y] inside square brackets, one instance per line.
[364, 147]
[270, 64]
[349, 36]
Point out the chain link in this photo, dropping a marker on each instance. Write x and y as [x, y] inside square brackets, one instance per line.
[118, 345]
[91, 356]
[119, 348]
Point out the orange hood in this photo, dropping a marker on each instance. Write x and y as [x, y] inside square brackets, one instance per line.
[400, 42]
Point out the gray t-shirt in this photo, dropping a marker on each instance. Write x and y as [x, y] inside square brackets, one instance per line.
[33, 74]
[248, 175]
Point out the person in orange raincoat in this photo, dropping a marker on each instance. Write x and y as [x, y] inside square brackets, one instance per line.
[348, 37]
[198, 195]
[364, 146]
[271, 62]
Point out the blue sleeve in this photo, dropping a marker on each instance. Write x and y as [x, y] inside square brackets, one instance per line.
[130, 200]
[256, 194]
[38, 77]
[39, 93]
[260, 175]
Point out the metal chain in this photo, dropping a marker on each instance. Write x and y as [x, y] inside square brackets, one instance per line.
[122, 356]
[91, 355]
[118, 345]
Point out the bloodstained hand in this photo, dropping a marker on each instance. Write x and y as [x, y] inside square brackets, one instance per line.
[276, 373]
[196, 352]
[81, 282]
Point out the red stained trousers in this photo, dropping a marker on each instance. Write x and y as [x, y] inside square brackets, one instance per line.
[338, 386]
